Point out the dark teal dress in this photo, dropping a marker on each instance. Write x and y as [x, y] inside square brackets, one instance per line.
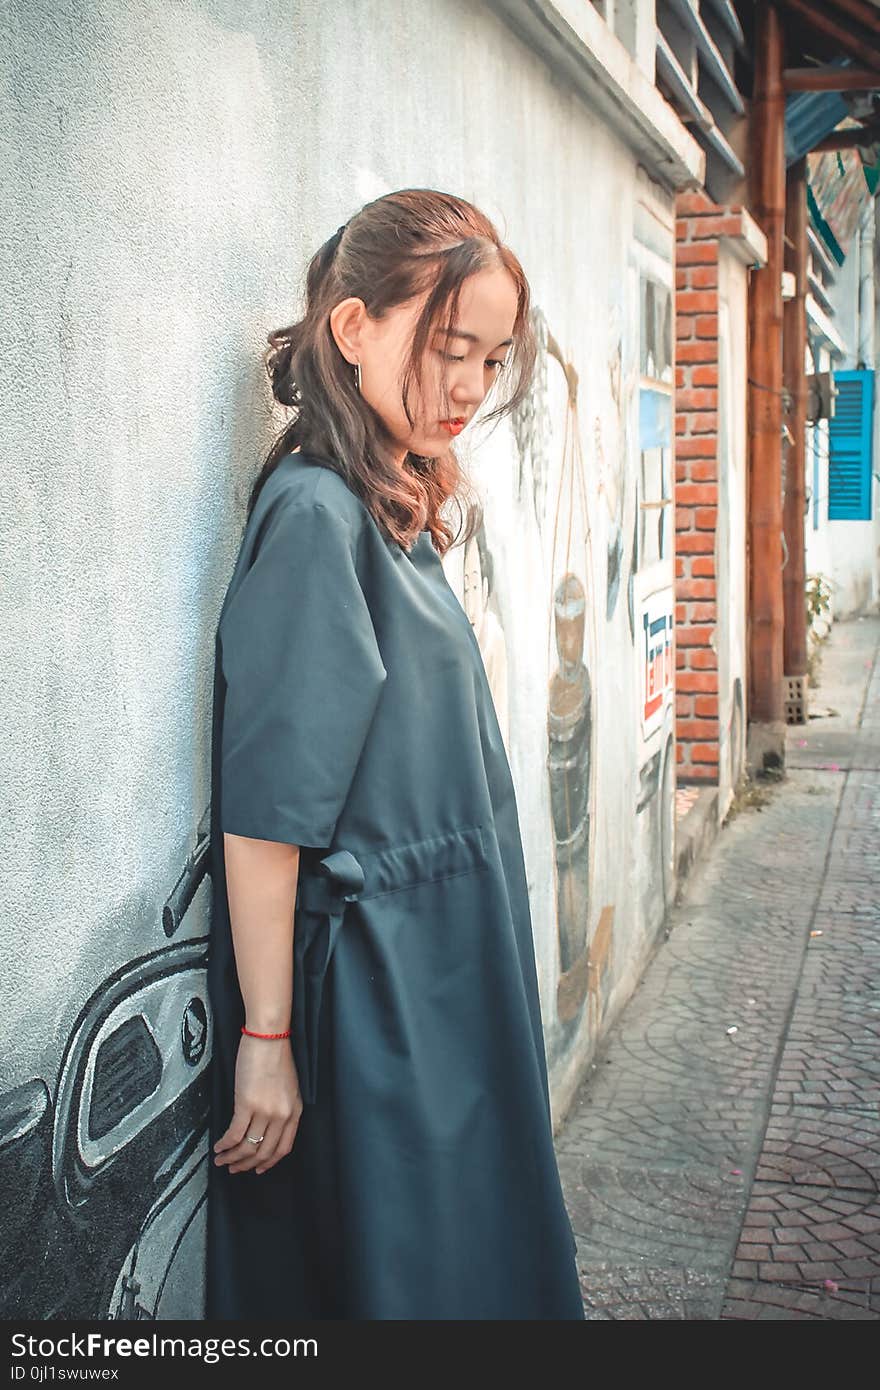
[353, 717]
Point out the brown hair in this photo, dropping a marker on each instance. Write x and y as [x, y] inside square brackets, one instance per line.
[395, 248]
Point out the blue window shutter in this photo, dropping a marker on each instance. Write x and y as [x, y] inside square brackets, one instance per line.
[849, 447]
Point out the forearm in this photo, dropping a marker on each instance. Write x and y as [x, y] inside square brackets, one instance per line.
[261, 878]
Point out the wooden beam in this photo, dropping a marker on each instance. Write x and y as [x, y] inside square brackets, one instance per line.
[764, 519]
[849, 138]
[794, 340]
[861, 12]
[831, 79]
[836, 29]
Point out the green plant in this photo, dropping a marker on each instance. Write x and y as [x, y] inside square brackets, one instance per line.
[749, 794]
[818, 590]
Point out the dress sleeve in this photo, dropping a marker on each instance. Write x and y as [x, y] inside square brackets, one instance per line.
[303, 677]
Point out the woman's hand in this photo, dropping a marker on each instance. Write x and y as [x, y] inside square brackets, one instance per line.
[267, 1102]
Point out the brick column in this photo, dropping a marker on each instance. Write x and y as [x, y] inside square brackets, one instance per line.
[700, 228]
[699, 224]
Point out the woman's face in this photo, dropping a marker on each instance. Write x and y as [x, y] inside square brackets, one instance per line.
[473, 357]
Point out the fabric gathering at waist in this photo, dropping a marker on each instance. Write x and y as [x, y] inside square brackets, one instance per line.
[369, 873]
[327, 885]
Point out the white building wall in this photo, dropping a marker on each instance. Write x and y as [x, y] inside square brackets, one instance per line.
[819, 550]
[730, 548]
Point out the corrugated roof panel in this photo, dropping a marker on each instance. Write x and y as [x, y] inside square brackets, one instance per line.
[809, 116]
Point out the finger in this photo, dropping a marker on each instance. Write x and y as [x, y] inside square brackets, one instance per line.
[245, 1150]
[248, 1155]
[238, 1128]
[283, 1147]
[232, 1145]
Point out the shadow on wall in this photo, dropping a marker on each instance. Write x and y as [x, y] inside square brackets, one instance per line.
[104, 1215]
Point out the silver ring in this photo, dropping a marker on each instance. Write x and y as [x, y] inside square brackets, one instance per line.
[255, 1141]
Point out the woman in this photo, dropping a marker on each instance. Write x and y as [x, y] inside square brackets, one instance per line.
[381, 1140]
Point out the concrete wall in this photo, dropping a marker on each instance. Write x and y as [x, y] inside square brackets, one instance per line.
[167, 172]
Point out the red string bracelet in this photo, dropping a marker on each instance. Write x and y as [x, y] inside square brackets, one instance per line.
[285, 1034]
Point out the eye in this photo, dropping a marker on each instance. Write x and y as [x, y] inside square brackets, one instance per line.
[490, 361]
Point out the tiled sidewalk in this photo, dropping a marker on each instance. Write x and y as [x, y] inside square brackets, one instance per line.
[737, 1175]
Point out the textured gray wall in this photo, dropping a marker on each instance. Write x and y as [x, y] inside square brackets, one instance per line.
[167, 170]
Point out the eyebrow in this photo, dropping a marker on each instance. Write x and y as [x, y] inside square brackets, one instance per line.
[471, 337]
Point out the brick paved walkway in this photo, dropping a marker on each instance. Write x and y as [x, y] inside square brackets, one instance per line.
[713, 1174]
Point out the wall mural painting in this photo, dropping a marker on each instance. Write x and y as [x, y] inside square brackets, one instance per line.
[600, 957]
[613, 484]
[655, 445]
[656, 788]
[633, 565]
[655, 422]
[478, 598]
[616, 473]
[571, 716]
[569, 735]
[109, 1176]
[532, 428]
[654, 546]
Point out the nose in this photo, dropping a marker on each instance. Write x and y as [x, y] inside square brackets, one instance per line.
[470, 386]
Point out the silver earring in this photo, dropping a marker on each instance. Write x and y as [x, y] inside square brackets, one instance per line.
[357, 375]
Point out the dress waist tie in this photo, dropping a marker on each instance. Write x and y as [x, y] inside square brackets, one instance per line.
[322, 893]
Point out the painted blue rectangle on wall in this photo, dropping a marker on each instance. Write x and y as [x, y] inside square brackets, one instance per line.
[655, 419]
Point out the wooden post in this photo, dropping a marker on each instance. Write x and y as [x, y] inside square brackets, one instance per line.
[766, 743]
[794, 350]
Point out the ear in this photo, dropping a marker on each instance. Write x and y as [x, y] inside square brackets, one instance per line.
[347, 326]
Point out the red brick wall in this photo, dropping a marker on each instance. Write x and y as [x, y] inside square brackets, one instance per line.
[699, 223]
